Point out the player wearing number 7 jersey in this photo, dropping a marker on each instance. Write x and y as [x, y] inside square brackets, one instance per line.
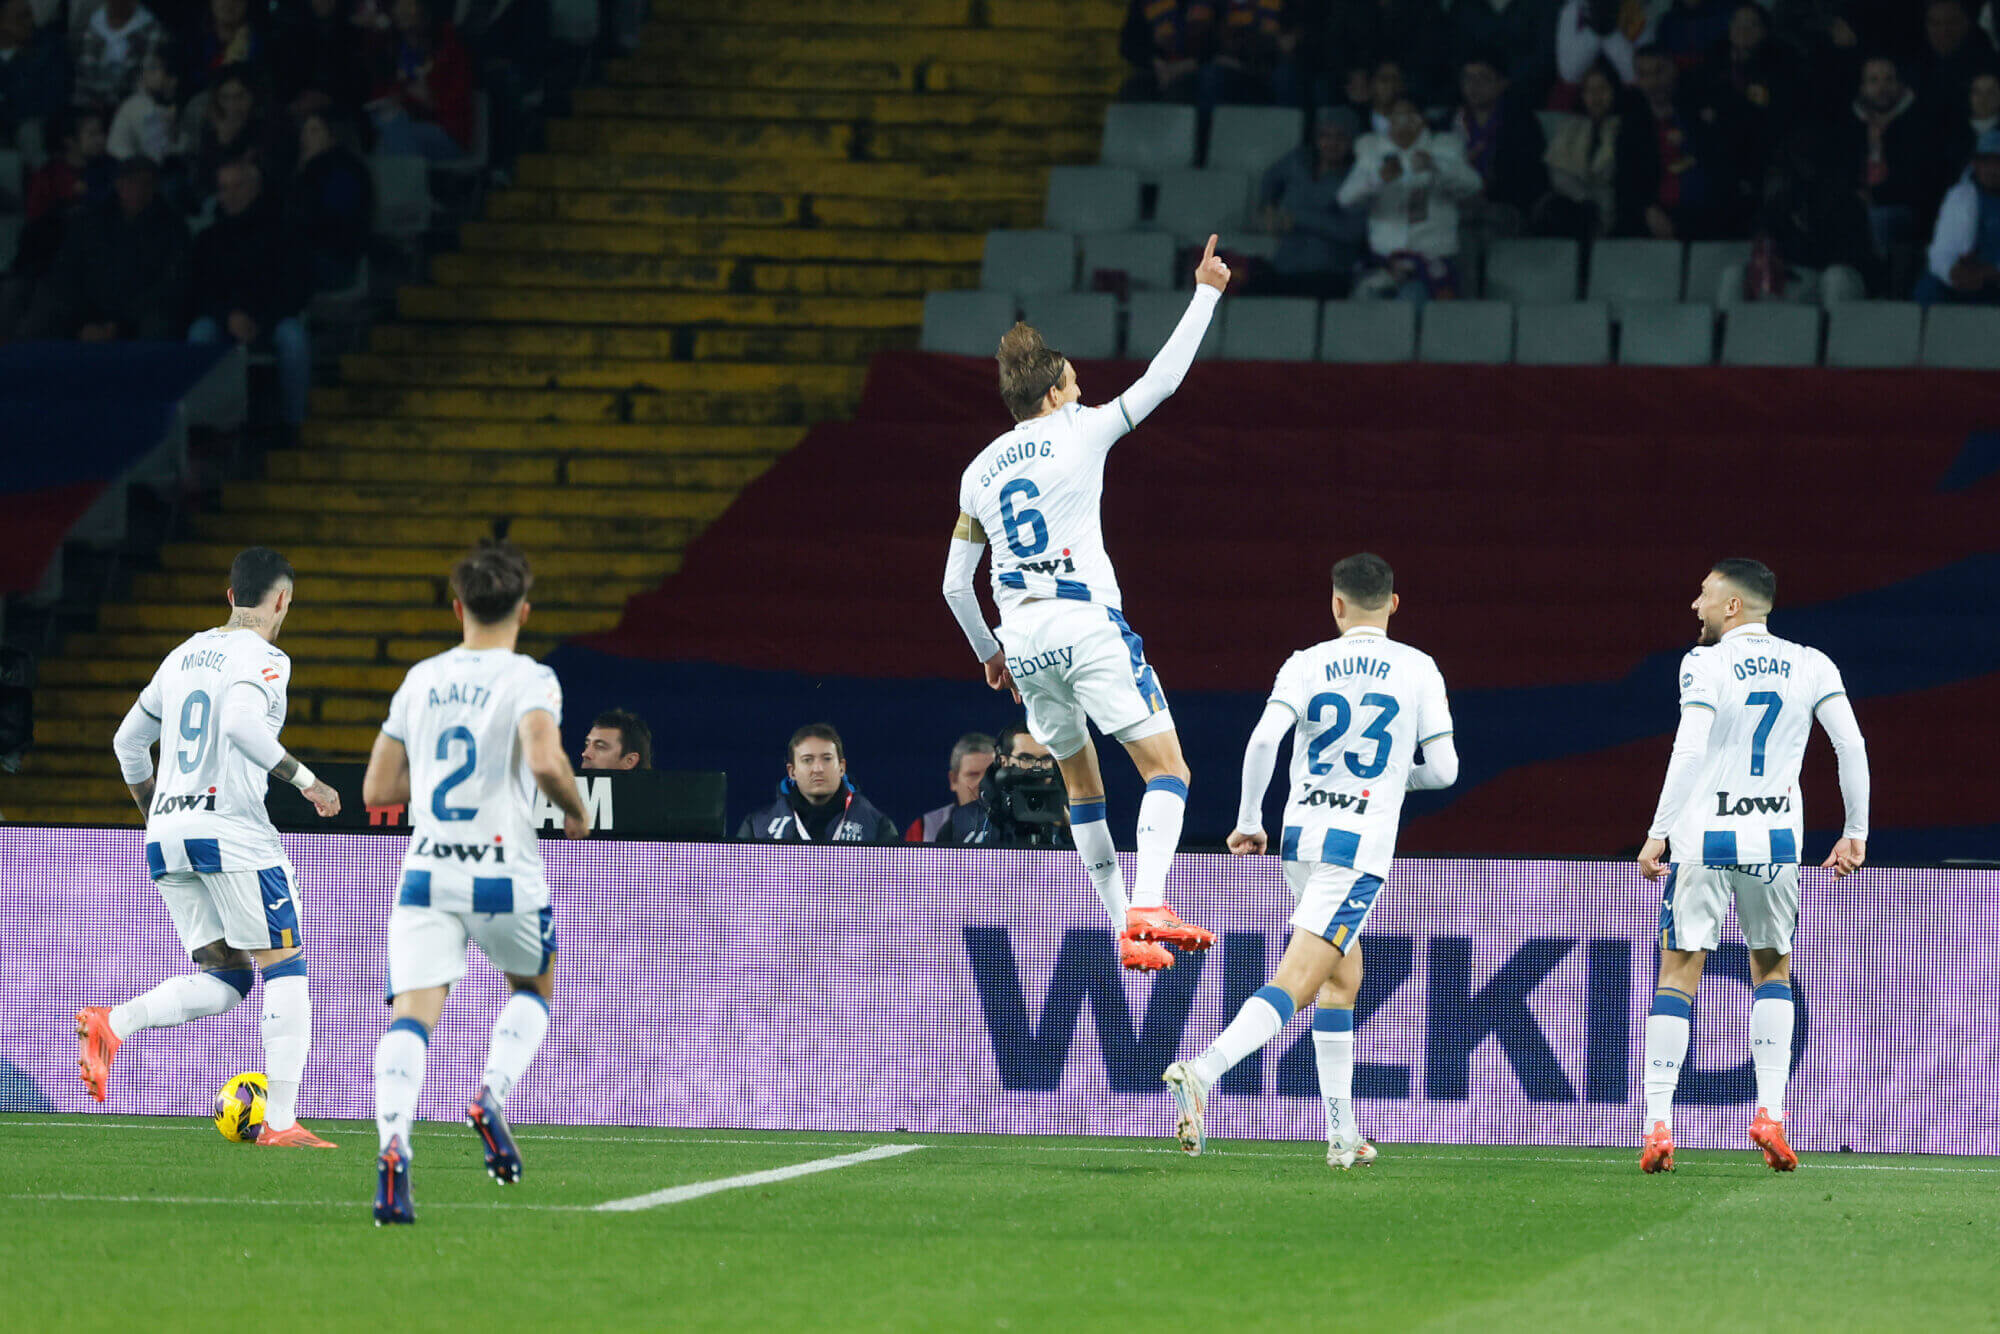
[1732, 809]
[1370, 720]
[471, 734]
[1069, 655]
[217, 705]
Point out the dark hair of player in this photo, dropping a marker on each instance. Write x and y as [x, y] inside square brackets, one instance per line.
[492, 580]
[815, 732]
[254, 573]
[1029, 368]
[1753, 578]
[633, 734]
[1364, 579]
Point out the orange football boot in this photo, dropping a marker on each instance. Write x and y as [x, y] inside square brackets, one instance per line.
[96, 1044]
[293, 1136]
[1142, 956]
[1768, 1134]
[1658, 1155]
[1164, 925]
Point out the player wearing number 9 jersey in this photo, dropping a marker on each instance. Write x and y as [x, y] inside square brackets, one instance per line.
[217, 704]
[1370, 719]
[1070, 657]
[471, 734]
[1732, 808]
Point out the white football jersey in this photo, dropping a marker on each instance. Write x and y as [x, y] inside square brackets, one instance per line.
[1036, 491]
[1365, 703]
[208, 800]
[1745, 809]
[472, 795]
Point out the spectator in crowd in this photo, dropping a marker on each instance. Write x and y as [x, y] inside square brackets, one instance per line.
[1690, 31]
[1320, 240]
[224, 39]
[149, 122]
[1588, 31]
[238, 125]
[1022, 802]
[422, 100]
[1517, 35]
[250, 282]
[1386, 87]
[1750, 76]
[1982, 113]
[1676, 179]
[1894, 153]
[34, 69]
[330, 205]
[112, 52]
[320, 60]
[1411, 181]
[1965, 249]
[1954, 52]
[971, 757]
[1583, 163]
[1165, 43]
[1257, 44]
[79, 172]
[618, 739]
[816, 802]
[123, 269]
[1503, 142]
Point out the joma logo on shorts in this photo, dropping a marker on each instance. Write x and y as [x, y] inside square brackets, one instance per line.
[465, 852]
[193, 801]
[1751, 805]
[1339, 801]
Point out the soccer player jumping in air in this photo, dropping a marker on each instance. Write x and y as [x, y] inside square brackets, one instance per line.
[1069, 655]
[1370, 720]
[471, 734]
[1732, 809]
[214, 855]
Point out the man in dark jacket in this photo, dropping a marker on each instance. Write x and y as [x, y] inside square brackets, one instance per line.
[251, 281]
[1503, 142]
[1022, 802]
[1894, 151]
[816, 803]
[1677, 175]
[122, 272]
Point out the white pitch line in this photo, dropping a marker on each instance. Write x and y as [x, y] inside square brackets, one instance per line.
[677, 1194]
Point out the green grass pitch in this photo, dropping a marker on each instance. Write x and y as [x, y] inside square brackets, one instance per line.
[120, 1222]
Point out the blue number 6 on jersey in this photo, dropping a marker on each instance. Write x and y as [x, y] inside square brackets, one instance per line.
[456, 776]
[1038, 539]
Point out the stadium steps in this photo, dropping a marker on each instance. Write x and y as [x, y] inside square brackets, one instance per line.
[698, 268]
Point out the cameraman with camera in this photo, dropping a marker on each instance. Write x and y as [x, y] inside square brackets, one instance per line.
[1021, 802]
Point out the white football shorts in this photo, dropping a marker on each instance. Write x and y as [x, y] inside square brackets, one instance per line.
[427, 945]
[1333, 900]
[1077, 663]
[1697, 897]
[246, 910]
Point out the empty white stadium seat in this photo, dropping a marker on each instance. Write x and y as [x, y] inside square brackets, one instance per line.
[1145, 258]
[1965, 338]
[967, 323]
[1271, 328]
[1771, 333]
[1368, 331]
[1530, 269]
[1873, 333]
[1076, 324]
[1092, 199]
[1195, 203]
[1149, 137]
[1635, 270]
[1250, 139]
[1573, 333]
[1466, 331]
[1707, 262]
[1028, 261]
[1667, 334]
[402, 195]
[1150, 318]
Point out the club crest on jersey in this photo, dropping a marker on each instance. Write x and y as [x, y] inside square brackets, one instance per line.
[465, 852]
[192, 801]
[1339, 801]
[1752, 805]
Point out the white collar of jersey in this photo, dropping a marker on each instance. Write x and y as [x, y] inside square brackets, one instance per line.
[1375, 630]
[1753, 628]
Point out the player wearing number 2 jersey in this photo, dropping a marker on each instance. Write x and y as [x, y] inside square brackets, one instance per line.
[1070, 657]
[1370, 719]
[471, 734]
[1732, 809]
[217, 705]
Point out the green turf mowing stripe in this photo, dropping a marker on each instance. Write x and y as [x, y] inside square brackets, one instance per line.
[676, 1194]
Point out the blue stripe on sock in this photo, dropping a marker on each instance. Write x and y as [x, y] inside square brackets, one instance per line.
[1333, 1019]
[409, 1025]
[1674, 1003]
[535, 996]
[1167, 783]
[1278, 999]
[292, 967]
[1086, 812]
[240, 978]
[1772, 991]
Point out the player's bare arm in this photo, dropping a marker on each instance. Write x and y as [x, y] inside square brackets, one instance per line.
[142, 793]
[324, 799]
[387, 781]
[542, 743]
